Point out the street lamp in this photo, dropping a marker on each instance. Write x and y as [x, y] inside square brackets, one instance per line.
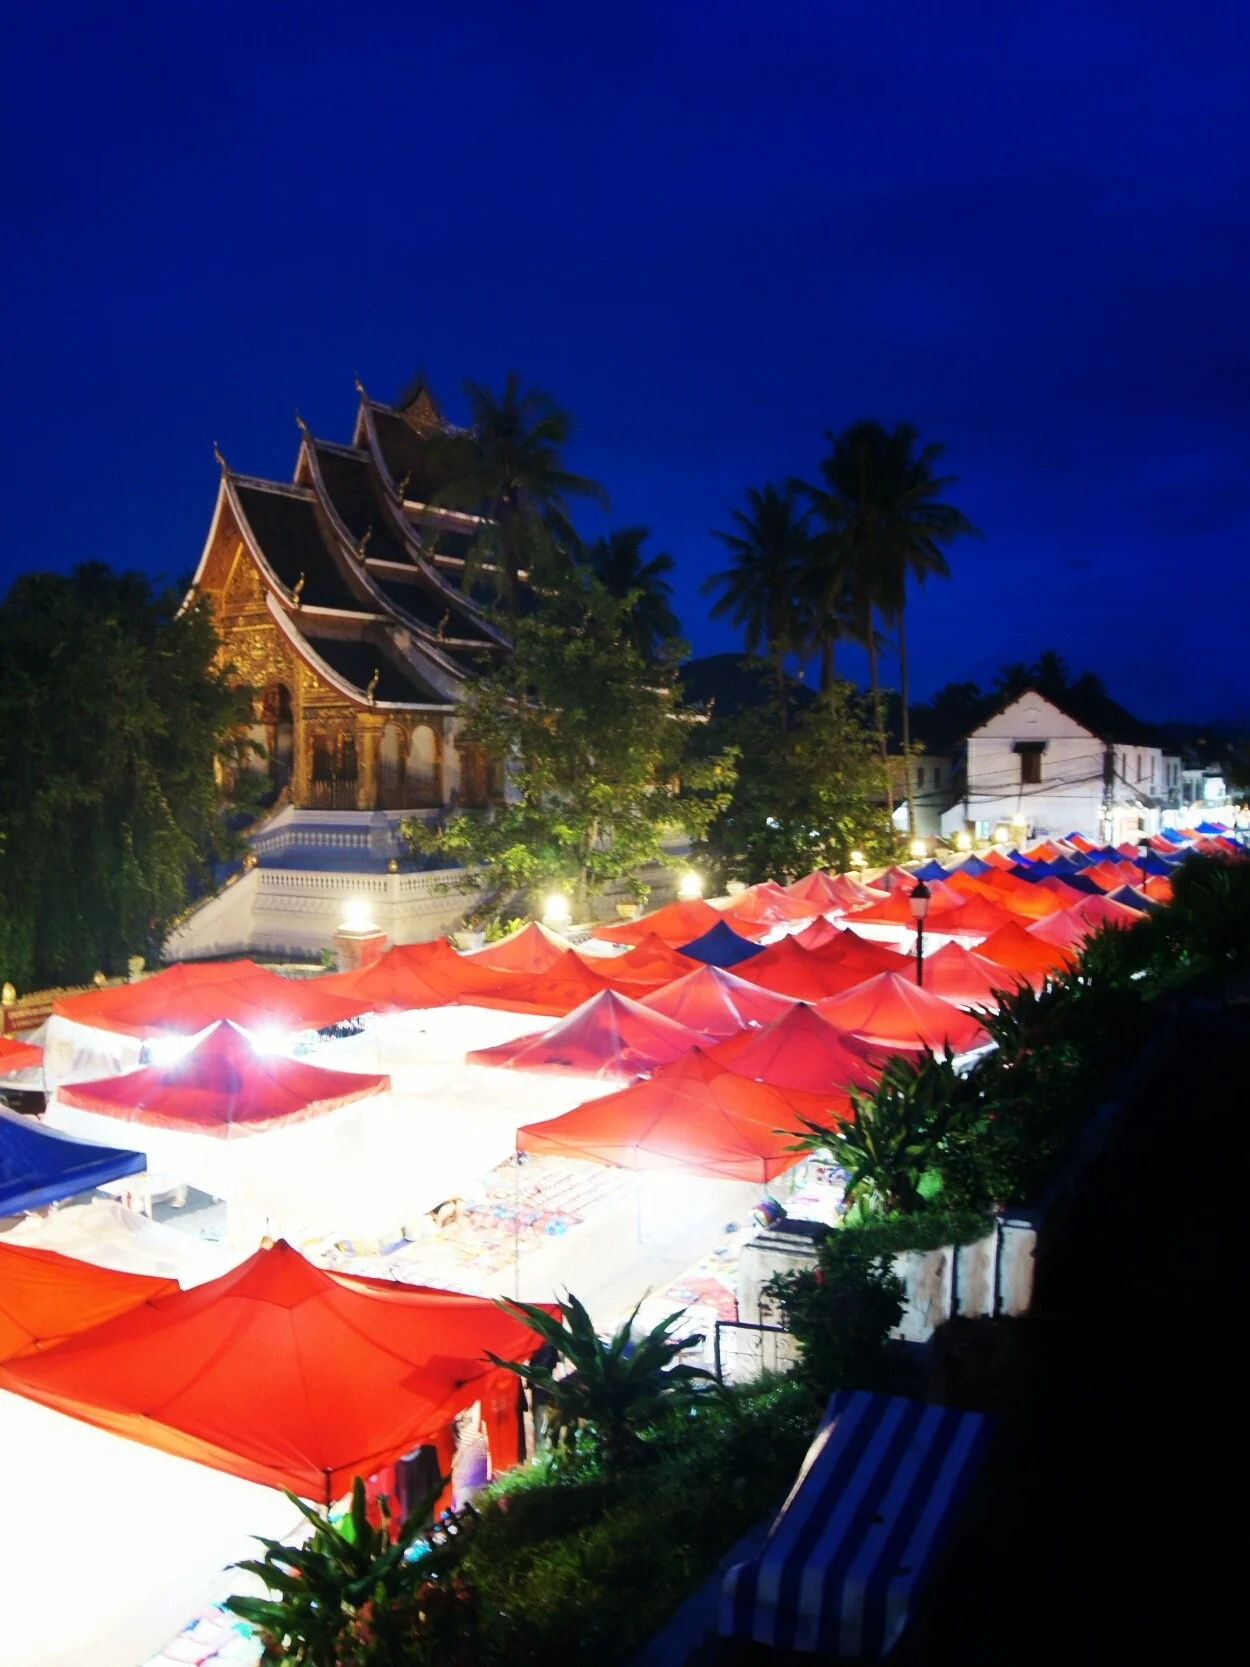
[919, 901]
[1143, 851]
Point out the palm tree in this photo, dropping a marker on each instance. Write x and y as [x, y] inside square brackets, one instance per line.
[616, 1388]
[508, 467]
[618, 564]
[881, 497]
[762, 591]
[828, 601]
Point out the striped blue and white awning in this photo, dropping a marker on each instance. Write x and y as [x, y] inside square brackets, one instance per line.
[848, 1554]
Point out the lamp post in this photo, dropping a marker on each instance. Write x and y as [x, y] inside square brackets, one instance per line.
[919, 901]
[1143, 851]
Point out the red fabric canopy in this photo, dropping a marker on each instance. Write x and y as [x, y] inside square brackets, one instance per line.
[961, 976]
[853, 894]
[694, 1115]
[1019, 950]
[1158, 888]
[650, 963]
[996, 858]
[676, 923]
[607, 1036]
[414, 975]
[1029, 902]
[716, 1003]
[890, 1015]
[1067, 895]
[975, 918]
[896, 909]
[798, 1050]
[819, 889]
[819, 935]
[192, 995]
[1082, 844]
[767, 905]
[46, 1297]
[789, 970]
[533, 949]
[555, 992]
[1070, 928]
[18, 1056]
[223, 1087]
[286, 1374]
[867, 956]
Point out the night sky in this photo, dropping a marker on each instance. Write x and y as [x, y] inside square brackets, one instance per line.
[711, 230]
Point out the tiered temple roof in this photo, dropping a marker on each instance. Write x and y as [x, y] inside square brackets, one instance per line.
[355, 567]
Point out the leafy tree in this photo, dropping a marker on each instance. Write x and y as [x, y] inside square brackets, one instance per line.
[804, 799]
[357, 1594]
[117, 729]
[617, 562]
[616, 1388]
[595, 743]
[880, 500]
[830, 608]
[761, 592]
[508, 467]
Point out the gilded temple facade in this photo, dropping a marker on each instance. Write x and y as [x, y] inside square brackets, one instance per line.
[339, 602]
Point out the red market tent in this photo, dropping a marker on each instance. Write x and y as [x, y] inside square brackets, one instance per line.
[1067, 895]
[693, 1115]
[996, 858]
[798, 1050]
[1020, 951]
[46, 1297]
[819, 889]
[976, 918]
[649, 964]
[533, 949]
[1029, 902]
[1158, 888]
[789, 970]
[767, 905]
[1045, 852]
[223, 1087]
[192, 995]
[555, 992]
[286, 1374]
[607, 1036]
[961, 976]
[821, 934]
[1081, 844]
[1070, 928]
[676, 923]
[854, 894]
[414, 975]
[716, 1003]
[850, 950]
[18, 1056]
[889, 1014]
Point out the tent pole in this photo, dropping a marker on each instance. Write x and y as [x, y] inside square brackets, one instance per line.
[516, 1226]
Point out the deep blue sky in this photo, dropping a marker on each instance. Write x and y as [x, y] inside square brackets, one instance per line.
[712, 230]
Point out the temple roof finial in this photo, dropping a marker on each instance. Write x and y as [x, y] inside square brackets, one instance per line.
[373, 683]
[223, 465]
[360, 388]
[300, 423]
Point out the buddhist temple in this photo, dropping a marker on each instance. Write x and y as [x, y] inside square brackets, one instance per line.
[339, 600]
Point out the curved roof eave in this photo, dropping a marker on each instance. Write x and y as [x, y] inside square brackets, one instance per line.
[313, 660]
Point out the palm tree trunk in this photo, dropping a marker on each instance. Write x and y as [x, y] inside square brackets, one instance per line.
[902, 677]
[781, 687]
[874, 683]
[826, 663]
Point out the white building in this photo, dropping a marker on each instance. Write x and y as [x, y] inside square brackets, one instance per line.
[1036, 770]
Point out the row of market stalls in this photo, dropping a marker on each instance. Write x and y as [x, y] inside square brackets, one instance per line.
[692, 1047]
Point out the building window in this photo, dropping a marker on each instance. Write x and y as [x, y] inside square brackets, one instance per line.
[937, 775]
[920, 775]
[1030, 769]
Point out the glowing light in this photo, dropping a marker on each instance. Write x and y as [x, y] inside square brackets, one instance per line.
[735, 888]
[963, 842]
[269, 1041]
[556, 911]
[690, 886]
[1000, 834]
[1019, 821]
[918, 847]
[356, 912]
[858, 860]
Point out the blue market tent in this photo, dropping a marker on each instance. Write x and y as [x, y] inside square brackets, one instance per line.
[932, 870]
[38, 1167]
[851, 1548]
[721, 946]
[1082, 882]
[1155, 864]
[1134, 899]
[1212, 828]
[972, 866]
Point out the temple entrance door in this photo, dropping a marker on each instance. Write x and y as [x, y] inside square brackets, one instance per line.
[391, 769]
[333, 785]
[279, 734]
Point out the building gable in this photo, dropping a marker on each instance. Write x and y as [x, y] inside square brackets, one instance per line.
[1031, 717]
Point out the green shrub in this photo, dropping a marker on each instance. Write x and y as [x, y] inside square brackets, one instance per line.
[842, 1312]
